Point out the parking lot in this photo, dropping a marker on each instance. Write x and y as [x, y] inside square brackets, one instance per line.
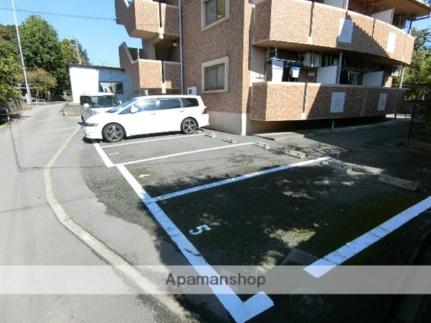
[231, 200]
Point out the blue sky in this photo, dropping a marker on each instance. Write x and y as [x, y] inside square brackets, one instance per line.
[100, 38]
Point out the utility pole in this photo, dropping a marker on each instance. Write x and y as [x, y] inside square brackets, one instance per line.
[77, 52]
[27, 87]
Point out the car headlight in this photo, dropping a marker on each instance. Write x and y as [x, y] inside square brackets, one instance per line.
[91, 124]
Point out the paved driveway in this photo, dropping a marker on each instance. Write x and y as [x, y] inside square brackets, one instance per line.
[222, 199]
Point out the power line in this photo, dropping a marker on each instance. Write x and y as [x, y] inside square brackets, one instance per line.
[79, 16]
[59, 14]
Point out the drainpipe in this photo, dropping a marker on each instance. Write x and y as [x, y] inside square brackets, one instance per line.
[403, 68]
[340, 66]
[180, 13]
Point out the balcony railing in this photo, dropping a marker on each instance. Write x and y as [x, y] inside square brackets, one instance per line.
[306, 101]
[147, 73]
[148, 19]
[292, 23]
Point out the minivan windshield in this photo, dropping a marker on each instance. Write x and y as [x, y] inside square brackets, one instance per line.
[100, 101]
[122, 106]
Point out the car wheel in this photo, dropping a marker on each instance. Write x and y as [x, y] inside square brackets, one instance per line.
[113, 132]
[189, 126]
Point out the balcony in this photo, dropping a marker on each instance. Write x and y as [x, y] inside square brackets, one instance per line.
[308, 101]
[148, 19]
[148, 73]
[299, 24]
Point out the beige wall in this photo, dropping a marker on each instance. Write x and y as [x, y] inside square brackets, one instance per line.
[142, 19]
[370, 36]
[302, 101]
[172, 75]
[147, 73]
[280, 23]
[220, 40]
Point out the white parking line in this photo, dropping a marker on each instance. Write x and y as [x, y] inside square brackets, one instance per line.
[341, 255]
[238, 179]
[152, 140]
[186, 153]
[102, 154]
[239, 310]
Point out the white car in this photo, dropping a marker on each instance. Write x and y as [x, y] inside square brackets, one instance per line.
[148, 114]
[92, 104]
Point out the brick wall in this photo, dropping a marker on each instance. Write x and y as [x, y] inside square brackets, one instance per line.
[223, 39]
[285, 101]
[286, 24]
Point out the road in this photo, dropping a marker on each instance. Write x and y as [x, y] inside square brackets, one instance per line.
[30, 233]
[309, 210]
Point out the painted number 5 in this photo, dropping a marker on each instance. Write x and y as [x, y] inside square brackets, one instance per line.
[199, 230]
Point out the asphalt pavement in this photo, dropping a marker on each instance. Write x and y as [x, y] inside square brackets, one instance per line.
[31, 235]
[256, 216]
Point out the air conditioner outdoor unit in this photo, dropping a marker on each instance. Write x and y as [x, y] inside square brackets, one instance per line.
[192, 90]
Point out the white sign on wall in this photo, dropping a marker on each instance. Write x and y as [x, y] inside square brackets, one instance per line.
[373, 78]
[383, 99]
[392, 38]
[277, 70]
[345, 31]
[337, 102]
[327, 74]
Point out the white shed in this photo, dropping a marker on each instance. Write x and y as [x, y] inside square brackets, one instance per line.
[94, 79]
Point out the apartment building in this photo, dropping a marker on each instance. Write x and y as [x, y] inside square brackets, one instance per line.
[259, 64]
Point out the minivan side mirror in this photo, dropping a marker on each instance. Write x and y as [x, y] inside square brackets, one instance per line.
[134, 109]
[86, 105]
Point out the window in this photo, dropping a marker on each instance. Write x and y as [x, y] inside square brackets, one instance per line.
[215, 75]
[147, 105]
[214, 11]
[165, 104]
[100, 101]
[113, 87]
[188, 102]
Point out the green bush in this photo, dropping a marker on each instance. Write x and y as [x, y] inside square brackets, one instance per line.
[428, 127]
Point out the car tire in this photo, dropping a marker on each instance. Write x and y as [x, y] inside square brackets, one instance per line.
[189, 126]
[113, 132]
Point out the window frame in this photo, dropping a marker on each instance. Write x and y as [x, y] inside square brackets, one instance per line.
[222, 60]
[204, 25]
[112, 82]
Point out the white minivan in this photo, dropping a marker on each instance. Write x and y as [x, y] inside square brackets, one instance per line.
[92, 104]
[148, 114]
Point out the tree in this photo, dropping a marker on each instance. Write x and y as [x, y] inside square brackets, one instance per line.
[69, 52]
[9, 67]
[419, 72]
[9, 71]
[40, 45]
[40, 81]
[42, 49]
[70, 56]
[7, 42]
